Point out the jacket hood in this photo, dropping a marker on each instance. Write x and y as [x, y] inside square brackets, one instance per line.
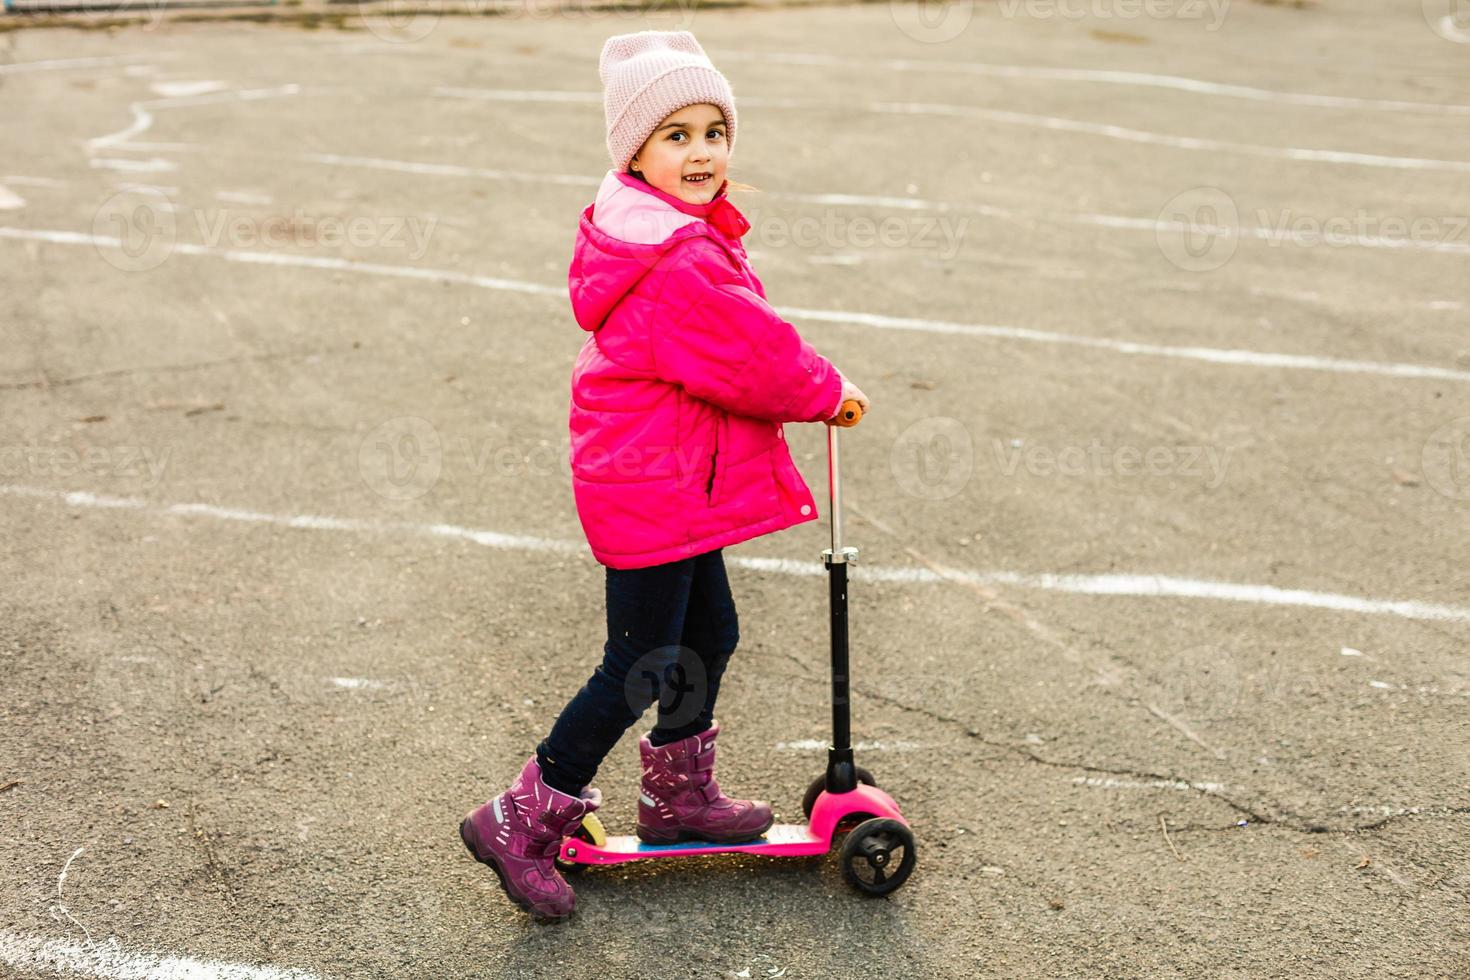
[626, 231]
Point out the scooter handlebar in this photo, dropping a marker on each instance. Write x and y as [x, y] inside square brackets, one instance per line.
[848, 415]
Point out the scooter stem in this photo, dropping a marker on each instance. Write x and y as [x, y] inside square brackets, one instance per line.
[841, 774]
[834, 482]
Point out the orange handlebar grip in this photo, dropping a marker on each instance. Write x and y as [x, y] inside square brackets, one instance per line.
[847, 416]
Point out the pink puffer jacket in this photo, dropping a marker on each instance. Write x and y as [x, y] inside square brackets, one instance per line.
[679, 393]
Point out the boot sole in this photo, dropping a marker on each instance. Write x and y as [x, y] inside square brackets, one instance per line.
[493, 865]
[649, 837]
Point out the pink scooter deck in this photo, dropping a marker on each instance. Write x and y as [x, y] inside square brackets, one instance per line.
[782, 840]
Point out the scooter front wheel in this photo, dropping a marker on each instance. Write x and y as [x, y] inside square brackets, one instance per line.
[878, 856]
[820, 783]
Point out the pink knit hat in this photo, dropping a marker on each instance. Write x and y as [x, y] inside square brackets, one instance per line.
[646, 76]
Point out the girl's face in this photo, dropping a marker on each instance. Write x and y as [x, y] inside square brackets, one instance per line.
[688, 143]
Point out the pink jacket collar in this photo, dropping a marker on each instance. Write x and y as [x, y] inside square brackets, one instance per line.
[719, 212]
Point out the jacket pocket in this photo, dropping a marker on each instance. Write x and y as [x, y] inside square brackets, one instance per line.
[713, 486]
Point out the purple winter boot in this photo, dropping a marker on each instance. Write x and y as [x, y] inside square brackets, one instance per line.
[681, 800]
[519, 833]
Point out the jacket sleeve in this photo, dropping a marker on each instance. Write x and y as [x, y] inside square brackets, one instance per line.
[729, 347]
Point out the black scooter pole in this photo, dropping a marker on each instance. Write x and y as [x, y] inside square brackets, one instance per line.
[841, 776]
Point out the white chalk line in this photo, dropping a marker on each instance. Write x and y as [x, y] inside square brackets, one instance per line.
[1314, 297]
[1109, 131]
[357, 683]
[301, 261]
[243, 197]
[61, 880]
[1211, 355]
[26, 181]
[519, 95]
[450, 170]
[1129, 585]
[70, 64]
[109, 961]
[820, 745]
[1033, 120]
[1386, 686]
[151, 189]
[1097, 782]
[143, 116]
[1183, 786]
[184, 89]
[1090, 75]
[1387, 811]
[129, 165]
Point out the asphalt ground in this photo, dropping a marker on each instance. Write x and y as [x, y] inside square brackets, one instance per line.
[1159, 626]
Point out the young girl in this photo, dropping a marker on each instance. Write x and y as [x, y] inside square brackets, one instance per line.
[678, 396]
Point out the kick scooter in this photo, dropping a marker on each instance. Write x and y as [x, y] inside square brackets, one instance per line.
[878, 853]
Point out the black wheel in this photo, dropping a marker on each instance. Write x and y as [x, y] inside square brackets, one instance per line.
[820, 783]
[878, 856]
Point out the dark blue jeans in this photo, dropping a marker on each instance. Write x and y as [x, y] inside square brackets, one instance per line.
[670, 631]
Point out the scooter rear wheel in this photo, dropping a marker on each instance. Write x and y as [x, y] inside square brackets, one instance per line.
[591, 831]
[878, 856]
[820, 783]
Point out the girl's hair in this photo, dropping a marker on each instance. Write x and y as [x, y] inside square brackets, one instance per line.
[733, 185]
